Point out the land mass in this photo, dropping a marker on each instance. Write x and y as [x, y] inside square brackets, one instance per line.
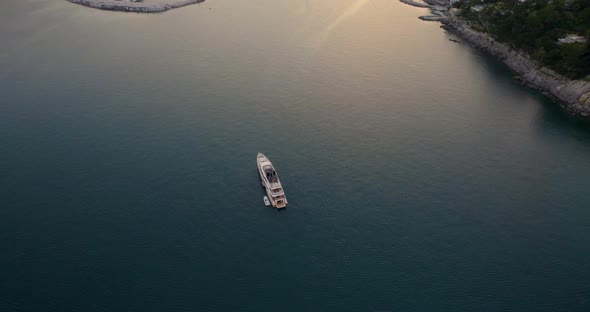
[572, 92]
[137, 6]
[553, 32]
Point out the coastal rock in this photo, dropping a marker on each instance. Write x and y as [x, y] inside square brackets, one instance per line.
[430, 18]
[415, 4]
[444, 3]
[438, 10]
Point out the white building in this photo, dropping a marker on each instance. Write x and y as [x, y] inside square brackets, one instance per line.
[572, 38]
[479, 7]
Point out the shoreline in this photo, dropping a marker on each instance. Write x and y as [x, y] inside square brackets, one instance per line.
[572, 95]
[438, 8]
[136, 7]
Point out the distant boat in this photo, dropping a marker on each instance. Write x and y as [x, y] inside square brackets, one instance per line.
[271, 182]
[266, 201]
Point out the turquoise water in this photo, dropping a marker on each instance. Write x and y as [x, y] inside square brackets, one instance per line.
[420, 176]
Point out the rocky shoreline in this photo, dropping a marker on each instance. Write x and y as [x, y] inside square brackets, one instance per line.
[438, 8]
[145, 6]
[572, 95]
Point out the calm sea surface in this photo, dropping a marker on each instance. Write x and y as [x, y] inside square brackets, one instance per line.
[420, 176]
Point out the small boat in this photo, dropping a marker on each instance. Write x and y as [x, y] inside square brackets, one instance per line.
[271, 182]
[266, 201]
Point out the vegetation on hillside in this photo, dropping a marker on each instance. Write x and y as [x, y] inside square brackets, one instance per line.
[535, 27]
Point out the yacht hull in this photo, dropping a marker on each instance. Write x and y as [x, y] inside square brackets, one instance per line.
[270, 182]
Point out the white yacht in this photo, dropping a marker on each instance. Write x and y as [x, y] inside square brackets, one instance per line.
[271, 182]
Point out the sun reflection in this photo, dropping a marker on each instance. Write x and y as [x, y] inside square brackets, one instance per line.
[351, 11]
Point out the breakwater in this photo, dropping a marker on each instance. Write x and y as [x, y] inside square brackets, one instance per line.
[145, 6]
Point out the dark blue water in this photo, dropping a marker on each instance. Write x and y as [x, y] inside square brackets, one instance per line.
[420, 176]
